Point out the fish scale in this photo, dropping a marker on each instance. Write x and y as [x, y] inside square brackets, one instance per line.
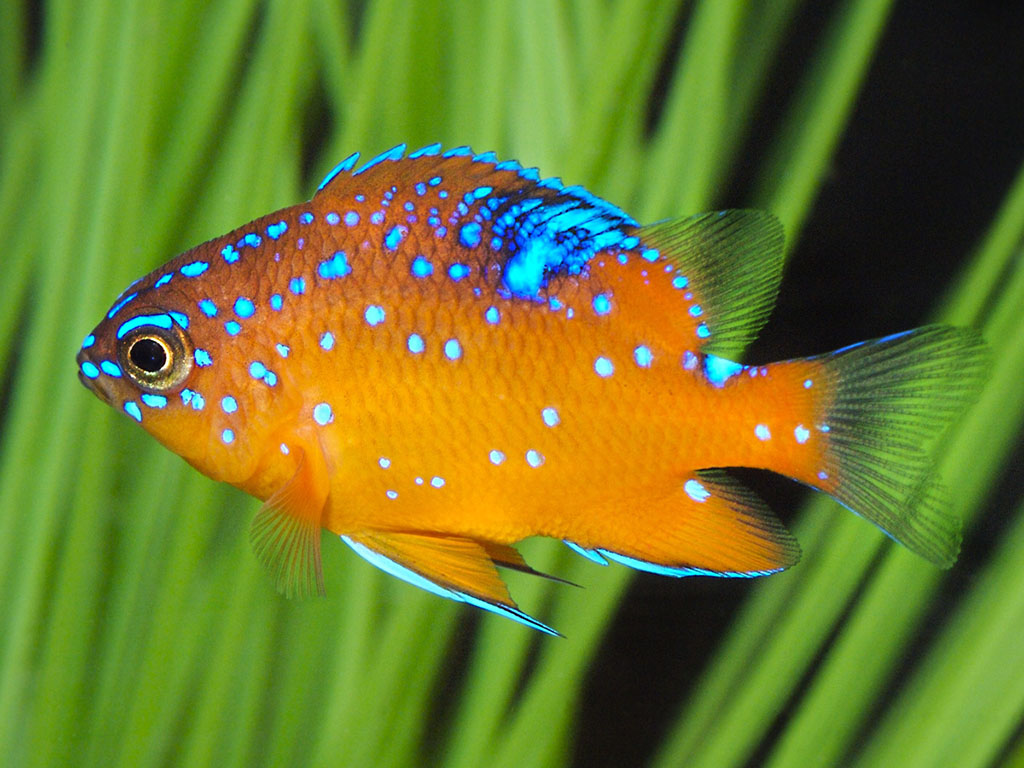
[441, 354]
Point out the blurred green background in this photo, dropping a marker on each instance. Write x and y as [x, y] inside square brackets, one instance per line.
[137, 629]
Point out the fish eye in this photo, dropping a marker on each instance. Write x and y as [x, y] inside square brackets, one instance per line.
[157, 359]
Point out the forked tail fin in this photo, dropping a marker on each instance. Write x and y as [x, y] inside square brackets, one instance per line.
[890, 400]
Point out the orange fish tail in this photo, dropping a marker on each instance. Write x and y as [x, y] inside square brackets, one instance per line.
[880, 407]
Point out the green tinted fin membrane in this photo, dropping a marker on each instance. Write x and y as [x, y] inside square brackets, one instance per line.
[285, 534]
[893, 398]
[733, 261]
[451, 567]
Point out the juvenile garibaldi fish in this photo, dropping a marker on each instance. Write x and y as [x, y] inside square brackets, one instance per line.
[440, 355]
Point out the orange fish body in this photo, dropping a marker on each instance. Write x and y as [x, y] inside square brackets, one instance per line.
[440, 355]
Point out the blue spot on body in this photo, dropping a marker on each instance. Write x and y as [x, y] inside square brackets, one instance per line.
[133, 410]
[679, 282]
[227, 436]
[391, 494]
[458, 271]
[415, 343]
[696, 491]
[351, 218]
[208, 308]
[801, 433]
[230, 254]
[650, 254]
[696, 310]
[90, 370]
[111, 369]
[496, 457]
[550, 416]
[469, 235]
[274, 231]
[257, 369]
[533, 458]
[283, 350]
[384, 462]
[437, 482]
[232, 328]
[244, 307]
[88, 341]
[762, 432]
[395, 236]
[642, 355]
[377, 217]
[601, 304]
[153, 401]
[306, 218]
[603, 367]
[719, 370]
[808, 383]
[421, 267]
[702, 331]
[452, 349]
[327, 341]
[336, 266]
[276, 302]
[332, 218]
[228, 404]
[322, 414]
[163, 280]
[252, 240]
[492, 315]
[203, 358]
[297, 285]
[374, 314]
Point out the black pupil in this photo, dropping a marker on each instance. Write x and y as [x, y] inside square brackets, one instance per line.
[149, 355]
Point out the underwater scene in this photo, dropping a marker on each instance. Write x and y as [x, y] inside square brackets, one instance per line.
[511, 372]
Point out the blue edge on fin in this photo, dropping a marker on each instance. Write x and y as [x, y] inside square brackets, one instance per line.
[400, 571]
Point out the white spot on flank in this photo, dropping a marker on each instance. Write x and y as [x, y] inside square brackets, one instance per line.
[696, 491]
[762, 432]
[801, 433]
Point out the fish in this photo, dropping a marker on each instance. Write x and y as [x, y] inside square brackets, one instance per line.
[442, 354]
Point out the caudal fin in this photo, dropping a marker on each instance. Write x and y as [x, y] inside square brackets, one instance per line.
[890, 400]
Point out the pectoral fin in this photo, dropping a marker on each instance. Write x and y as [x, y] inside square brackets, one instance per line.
[285, 533]
[453, 567]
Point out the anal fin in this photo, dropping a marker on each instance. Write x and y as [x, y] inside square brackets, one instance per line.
[453, 567]
[285, 534]
[709, 526]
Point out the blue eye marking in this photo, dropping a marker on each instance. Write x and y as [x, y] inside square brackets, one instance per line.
[88, 341]
[801, 433]
[469, 235]
[702, 331]
[208, 308]
[153, 401]
[601, 304]
[228, 436]
[550, 416]
[306, 217]
[90, 370]
[458, 271]
[133, 410]
[696, 491]
[195, 269]
[297, 285]
[374, 314]
[117, 307]
[492, 316]
[230, 254]
[437, 482]
[719, 370]
[762, 432]
[322, 414]
[533, 458]
[244, 307]
[384, 462]
[228, 404]
[452, 349]
[395, 236]
[332, 218]
[497, 457]
[274, 231]
[336, 266]
[327, 341]
[111, 369]
[415, 343]
[160, 321]
[351, 218]
[421, 267]
[642, 355]
[163, 280]
[232, 328]
[203, 358]
[603, 367]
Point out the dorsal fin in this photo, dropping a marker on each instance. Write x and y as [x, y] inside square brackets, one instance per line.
[733, 262]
